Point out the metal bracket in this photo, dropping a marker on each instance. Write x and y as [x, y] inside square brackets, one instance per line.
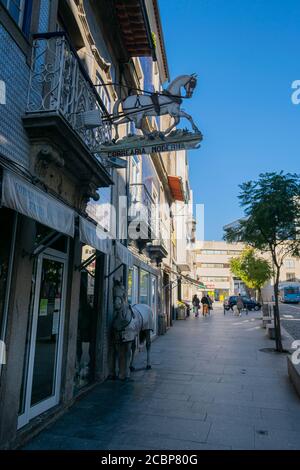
[44, 244]
[112, 272]
[88, 261]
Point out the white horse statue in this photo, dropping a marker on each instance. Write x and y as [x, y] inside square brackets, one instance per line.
[137, 107]
[128, 323]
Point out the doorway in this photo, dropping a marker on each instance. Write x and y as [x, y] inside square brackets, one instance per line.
[43, 375]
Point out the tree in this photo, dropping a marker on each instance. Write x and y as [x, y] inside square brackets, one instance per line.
[253, 270]
[271, 224]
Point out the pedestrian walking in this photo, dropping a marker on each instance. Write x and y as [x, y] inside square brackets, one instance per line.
[239, 304]
[210, 306]
[196, 305]
[205, 305]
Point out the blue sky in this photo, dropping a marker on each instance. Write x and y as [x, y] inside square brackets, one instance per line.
[246, 54]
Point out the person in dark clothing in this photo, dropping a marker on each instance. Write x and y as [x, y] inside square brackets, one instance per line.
[196, 305]
[205, 305]
[210, 300]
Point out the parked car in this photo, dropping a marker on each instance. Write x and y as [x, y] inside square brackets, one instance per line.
[250, 304]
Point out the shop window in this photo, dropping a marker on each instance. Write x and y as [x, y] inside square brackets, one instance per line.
[132, 288]
[130, 285]
[87, 323]
[144, 287]
[61, 244]
[6, 226]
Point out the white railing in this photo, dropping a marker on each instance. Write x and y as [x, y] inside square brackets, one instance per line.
[142, 207]
[59, 83]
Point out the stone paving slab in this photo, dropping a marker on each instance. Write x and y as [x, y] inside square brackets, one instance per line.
[210, 387]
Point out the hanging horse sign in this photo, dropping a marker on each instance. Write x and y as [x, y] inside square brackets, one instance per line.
[135, 108]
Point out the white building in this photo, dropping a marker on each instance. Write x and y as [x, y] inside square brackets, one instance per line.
[213, 270]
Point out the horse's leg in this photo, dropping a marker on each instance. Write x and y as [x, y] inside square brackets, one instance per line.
[176, 121]
[133, 348]
[148, 347]
[138, 121]
[187, 116]
[116, 125]
[124, 360]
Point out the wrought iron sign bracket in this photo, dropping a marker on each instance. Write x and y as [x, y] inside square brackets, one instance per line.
[116, 269]
[45, 243]
[88, 261]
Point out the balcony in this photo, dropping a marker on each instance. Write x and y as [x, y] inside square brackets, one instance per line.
[159, 248]
[141, 215]
[60, 96]
[185, 260]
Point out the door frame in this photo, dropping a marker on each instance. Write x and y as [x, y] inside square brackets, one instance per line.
[153, 278]
[31, 412]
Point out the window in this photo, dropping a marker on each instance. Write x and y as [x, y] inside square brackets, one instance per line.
[289, 263]
[130, 286]
[220, 252]
[214, 265]
[214, 279]
[103, 93]
[20, 11]
[144, 287]
[291, 290]
[290, 276]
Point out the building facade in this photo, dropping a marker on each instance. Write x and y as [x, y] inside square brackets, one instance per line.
[71, 222]
[213, 270]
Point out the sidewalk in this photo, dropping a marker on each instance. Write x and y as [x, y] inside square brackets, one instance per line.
[210, 387]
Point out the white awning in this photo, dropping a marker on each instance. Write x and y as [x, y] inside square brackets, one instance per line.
[94, 236]
[123, 254]
[29, 200]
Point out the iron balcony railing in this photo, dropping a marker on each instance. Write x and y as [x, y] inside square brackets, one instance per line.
[142, 208]
[60, 84]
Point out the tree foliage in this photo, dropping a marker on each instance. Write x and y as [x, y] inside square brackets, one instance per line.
[253, 270]
[272, 215]
[271, 223]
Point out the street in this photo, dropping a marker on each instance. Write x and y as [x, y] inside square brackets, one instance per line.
[211, 386]
[290, 319]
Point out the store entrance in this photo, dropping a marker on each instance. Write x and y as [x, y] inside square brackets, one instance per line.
[45, 353]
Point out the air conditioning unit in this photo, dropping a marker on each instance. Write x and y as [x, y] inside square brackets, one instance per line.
[91, 119]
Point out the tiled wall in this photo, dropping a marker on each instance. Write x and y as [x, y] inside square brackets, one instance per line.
[44, 16]
[15, 73]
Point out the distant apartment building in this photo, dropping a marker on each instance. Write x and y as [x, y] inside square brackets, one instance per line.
[290, 270]
[212, 260]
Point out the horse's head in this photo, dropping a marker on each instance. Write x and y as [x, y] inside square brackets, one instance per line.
[119, 295]
[190, 85]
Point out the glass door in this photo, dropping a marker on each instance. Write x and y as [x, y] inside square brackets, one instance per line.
[44, 367]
